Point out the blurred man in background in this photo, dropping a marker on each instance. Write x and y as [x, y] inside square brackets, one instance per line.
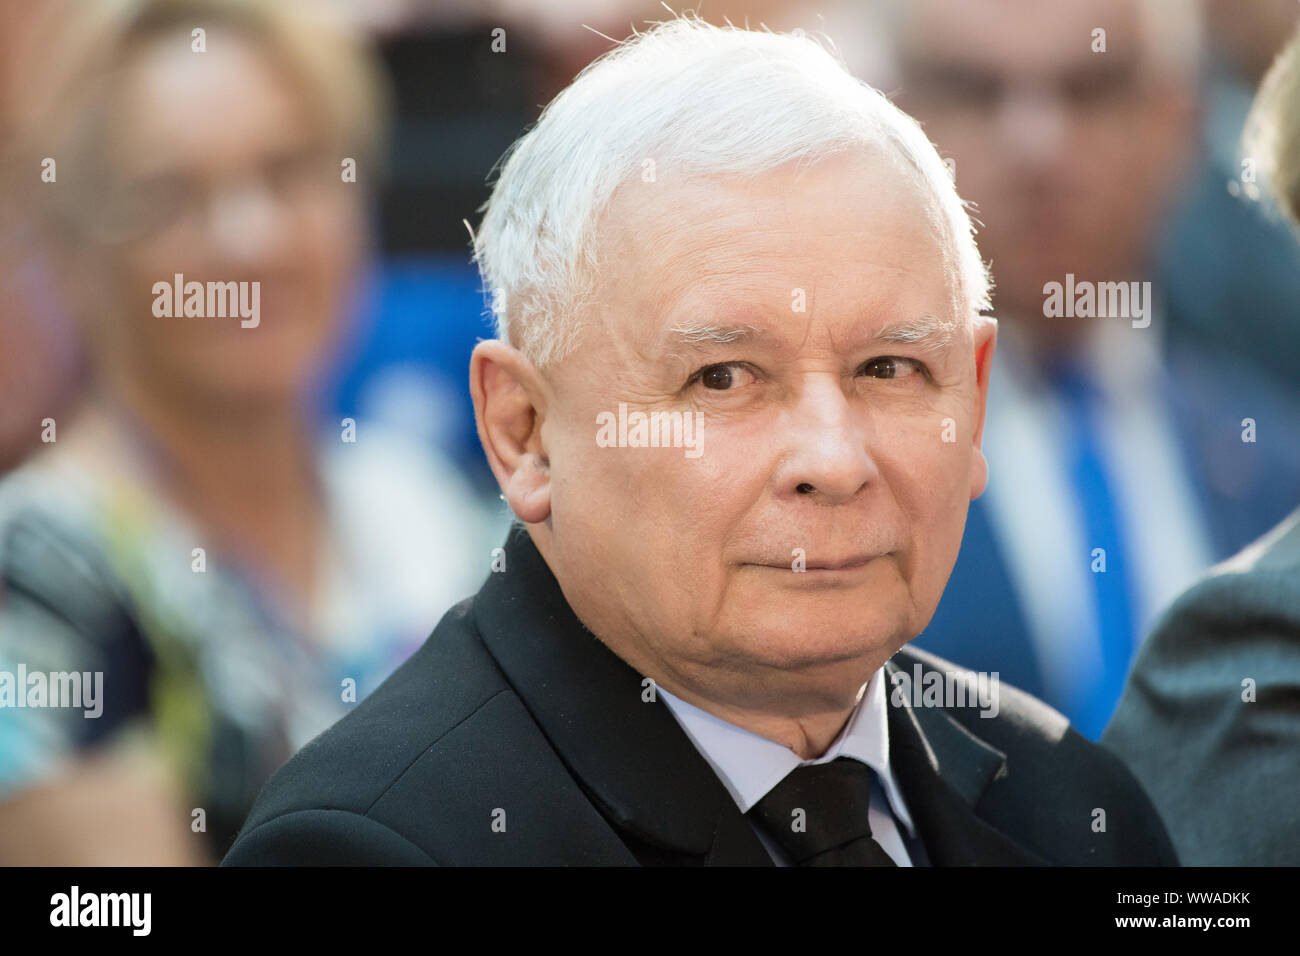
[235, 570]
[1121, 460]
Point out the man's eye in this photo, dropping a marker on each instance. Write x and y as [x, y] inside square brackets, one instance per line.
[893, 366]
[722, 377]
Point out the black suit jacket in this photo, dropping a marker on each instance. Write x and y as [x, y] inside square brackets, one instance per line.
[514, 736]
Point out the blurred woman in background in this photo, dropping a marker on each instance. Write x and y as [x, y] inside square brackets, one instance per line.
[239, 572]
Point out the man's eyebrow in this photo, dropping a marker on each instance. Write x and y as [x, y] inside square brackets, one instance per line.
[929, 333]
[699, 335]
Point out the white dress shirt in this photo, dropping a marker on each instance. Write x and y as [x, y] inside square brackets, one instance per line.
[749, 766]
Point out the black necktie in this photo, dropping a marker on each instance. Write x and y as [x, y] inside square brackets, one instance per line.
[818, 815]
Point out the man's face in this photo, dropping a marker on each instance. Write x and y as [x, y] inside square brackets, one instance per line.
[820, 436]
[1070, 152]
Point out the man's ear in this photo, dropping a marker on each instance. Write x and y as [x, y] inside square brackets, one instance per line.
[509, 408]
[986, 337]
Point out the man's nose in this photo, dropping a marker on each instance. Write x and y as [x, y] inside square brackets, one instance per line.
[830, 458]
[1033, 125]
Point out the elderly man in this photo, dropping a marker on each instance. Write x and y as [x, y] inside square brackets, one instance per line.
[736, 406]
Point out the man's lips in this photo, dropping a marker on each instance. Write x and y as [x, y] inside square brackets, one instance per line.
[843, 564]
[847, 563]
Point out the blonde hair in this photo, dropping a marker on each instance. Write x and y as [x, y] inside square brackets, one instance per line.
[80, 46]
[1272, 135]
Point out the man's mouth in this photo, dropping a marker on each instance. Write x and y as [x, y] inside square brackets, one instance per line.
[846, 563]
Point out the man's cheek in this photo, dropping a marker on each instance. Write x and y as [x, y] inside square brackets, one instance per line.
[935, 486]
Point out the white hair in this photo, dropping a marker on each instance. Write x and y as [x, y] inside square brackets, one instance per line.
[690, 97]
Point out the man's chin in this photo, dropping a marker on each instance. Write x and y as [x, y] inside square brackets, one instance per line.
[772, 672]
[823, 643]
[849, 607]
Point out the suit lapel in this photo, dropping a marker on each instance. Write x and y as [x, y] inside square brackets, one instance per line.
[943, 771]
[628, 753]
[637, 765]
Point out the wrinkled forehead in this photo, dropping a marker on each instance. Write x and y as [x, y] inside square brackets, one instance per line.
[859, 223]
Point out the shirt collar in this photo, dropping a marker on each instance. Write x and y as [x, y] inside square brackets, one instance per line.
[749, 765]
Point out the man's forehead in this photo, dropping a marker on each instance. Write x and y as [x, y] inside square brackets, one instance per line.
[710, 261]
[678, 212]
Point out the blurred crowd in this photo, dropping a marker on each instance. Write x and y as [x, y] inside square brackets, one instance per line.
[246, 529]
